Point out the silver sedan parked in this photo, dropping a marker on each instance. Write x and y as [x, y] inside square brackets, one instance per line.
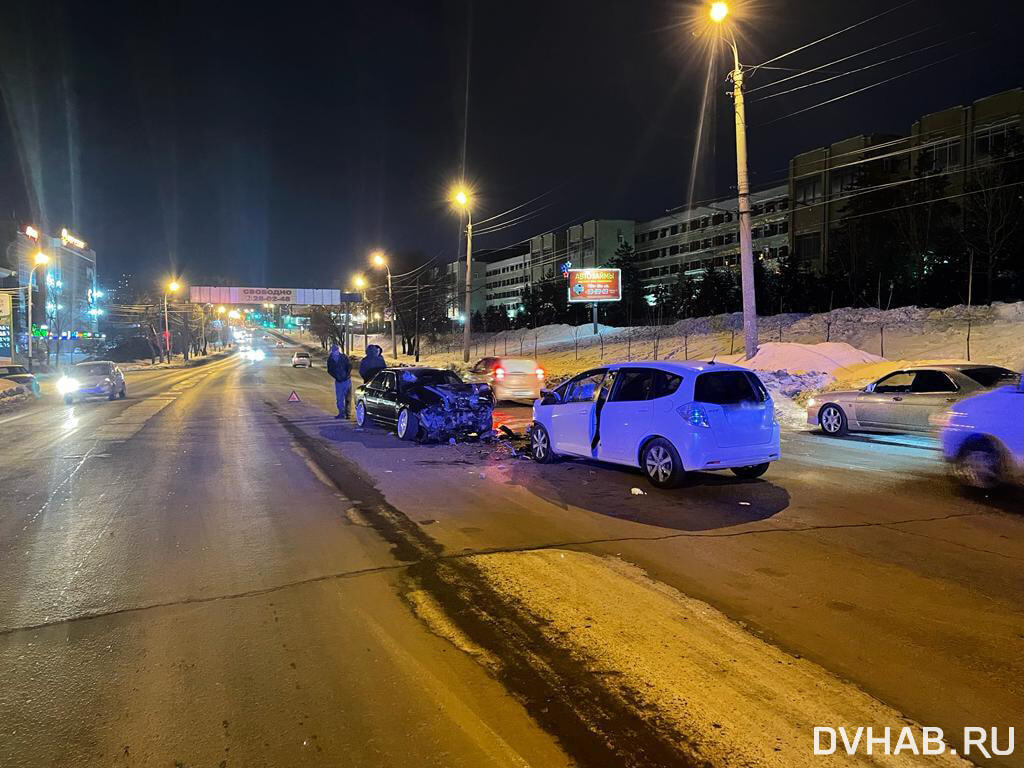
[904, 400]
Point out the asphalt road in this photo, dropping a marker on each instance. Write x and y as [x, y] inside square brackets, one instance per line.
[207, 574]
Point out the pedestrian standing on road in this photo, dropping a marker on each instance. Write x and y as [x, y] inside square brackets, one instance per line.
[340, 369]
[372, 363]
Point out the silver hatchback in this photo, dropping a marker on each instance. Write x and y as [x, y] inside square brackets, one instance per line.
[905, 400]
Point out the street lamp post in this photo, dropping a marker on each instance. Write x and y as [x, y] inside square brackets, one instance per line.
[360, 283]
[172, 287]
[380, 261]
[40, 259]
[719, 12]
[462, 200]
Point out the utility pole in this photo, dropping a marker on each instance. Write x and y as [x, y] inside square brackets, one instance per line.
[416, 322]
[743, 195]
[467, 328]
[719, 12]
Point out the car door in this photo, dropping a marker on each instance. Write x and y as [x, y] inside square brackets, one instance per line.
[388, 402]
[932, 392]
[372, 394]
[573, 421]
[626, 416]
[882, 406]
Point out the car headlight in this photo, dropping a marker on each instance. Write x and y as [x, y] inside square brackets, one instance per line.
[812, 402]
[67, 384]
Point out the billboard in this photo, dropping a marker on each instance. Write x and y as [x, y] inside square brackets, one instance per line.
[6, 353]
[203, 294]
[590, 285]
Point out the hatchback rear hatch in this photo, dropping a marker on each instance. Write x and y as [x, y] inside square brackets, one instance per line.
[739, 410]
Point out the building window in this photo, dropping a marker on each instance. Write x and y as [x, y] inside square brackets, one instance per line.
[808, 190]
[940, 157]
[694, 246]
[783, 227]
[717, 219]
[664, 232]
[674, 269]
[673, 250]
[706, 243]
[675, 229]
[808, 247]
[843, 180]
[994, 139]
[755, 232]
[719, 240]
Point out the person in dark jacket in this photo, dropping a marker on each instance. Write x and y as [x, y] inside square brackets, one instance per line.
[372, 363]
[340, 369]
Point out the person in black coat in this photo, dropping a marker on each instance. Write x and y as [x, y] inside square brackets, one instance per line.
[372, 363]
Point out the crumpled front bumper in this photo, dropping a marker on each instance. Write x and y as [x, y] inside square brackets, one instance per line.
[460, 413]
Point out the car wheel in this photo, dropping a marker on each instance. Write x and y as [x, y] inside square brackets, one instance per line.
[661, 463]
[540, 445]
[362, 417]
[69, 400]
[408, 425]
[832, 420]
[123, 393]
[979, 464]
[749, 473]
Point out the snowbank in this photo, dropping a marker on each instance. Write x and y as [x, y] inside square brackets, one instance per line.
[802, 358]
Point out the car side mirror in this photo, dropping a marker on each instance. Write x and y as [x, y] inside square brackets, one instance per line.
[549, 397]
[870, 387]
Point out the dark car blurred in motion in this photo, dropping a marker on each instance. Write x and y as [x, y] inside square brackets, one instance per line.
[424, 404]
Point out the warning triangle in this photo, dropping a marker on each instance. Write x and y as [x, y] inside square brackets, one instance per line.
[294, 397]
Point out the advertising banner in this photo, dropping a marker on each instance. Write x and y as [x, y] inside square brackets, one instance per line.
[204, 294]
[590, 285]
[6, 331]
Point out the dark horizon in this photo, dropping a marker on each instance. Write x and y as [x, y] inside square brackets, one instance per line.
[280, 149]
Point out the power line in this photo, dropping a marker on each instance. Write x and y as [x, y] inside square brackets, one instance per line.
[802, 72]
[835, 34]
[860, 90]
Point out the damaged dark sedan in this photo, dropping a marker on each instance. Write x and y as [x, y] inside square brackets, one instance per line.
[426, 404]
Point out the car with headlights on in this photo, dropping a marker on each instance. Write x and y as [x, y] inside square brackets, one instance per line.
[19, 374]
[982, 438]
[93, 379]
[510, 378]
[302, 360]
[905, 400]
[424, 404]
[667, 418]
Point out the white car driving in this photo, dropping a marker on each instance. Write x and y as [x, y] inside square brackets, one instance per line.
[665, 418]
[302, 360]
[102, 378]
[983, 438]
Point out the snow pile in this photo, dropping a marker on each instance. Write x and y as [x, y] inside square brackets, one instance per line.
[803, 358]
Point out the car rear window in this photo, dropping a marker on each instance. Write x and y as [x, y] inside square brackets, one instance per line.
[302, 354]
[991, 375]
[517, 365]
[728, 388]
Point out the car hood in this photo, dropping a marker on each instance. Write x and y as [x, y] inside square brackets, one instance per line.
[91, 381]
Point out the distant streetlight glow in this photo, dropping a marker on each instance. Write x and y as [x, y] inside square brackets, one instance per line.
[378, 259]
[462, 199]
[461, 196]
[718, 12]
[359, 282]
[221, 310]
[173, 286]
[233, 314]
[41, 258]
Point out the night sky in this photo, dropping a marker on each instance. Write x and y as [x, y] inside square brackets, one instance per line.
[278, 144]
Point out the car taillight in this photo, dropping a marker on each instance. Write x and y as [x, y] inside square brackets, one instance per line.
[499, 373]
[694, 414]
[540, 374]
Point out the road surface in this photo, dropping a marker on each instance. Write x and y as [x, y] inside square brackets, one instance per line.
[208, 574]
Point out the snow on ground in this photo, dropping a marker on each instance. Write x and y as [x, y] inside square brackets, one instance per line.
[688, 666]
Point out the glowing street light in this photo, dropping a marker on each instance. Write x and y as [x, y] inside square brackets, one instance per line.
[233, 314]
[379, 259]
[462, 198]
[718, 12]
[221, 310]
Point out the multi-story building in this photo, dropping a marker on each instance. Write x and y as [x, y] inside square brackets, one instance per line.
[954, 142]
[547, 254]
[593, 243]
[65, 300]
[507, 274]
[692, 239]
